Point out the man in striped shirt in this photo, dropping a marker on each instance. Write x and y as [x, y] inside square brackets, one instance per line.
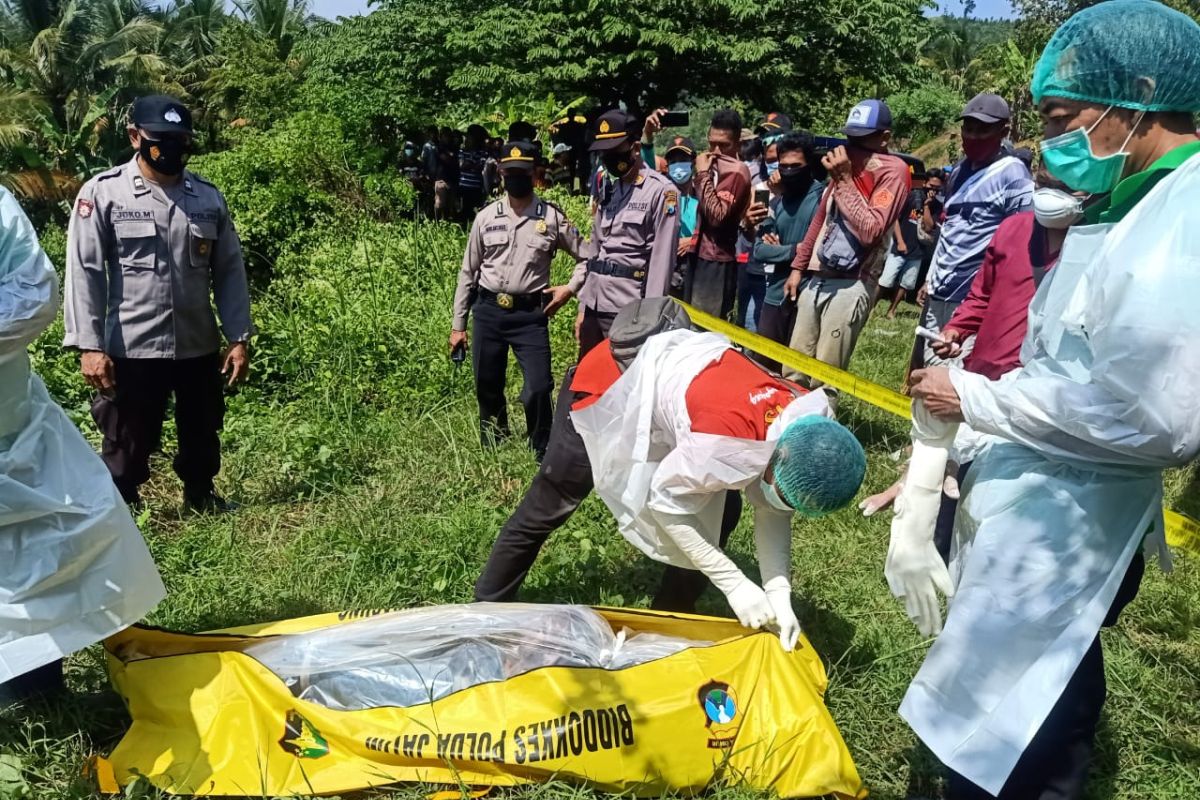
[985, 188]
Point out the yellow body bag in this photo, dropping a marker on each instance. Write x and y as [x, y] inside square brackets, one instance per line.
[210, 720]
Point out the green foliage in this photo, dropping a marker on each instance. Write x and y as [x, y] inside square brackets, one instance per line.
[295, 178]
[922, 112]
[251, 85]
[768, 54]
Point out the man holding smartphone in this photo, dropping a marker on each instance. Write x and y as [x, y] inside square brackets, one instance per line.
[505, 281]
[723, 187]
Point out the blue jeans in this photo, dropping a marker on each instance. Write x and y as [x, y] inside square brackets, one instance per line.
[751, 289]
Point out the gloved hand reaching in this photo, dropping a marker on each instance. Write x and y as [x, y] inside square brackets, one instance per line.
[786, 623]
[749, 603]
[773, 542]
[914, 569]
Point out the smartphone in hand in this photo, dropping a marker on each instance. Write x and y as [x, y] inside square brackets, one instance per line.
[676, 119]
[762, 196]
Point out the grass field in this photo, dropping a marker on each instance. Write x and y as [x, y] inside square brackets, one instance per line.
[354, 455]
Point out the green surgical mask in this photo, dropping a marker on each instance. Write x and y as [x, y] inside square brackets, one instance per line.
[1070, 158]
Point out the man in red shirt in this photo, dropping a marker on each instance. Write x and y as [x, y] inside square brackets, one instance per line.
[690, 420]
[996, 311]
[722, 185]
[843, 250]
[726, 398]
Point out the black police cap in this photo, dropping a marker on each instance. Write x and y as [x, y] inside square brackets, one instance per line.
[615, 128]
[158, 113]
[519, 155]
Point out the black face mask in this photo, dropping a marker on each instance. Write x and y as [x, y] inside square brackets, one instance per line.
[618, 163]
[795, 179]
[518, 184]
[168, 156]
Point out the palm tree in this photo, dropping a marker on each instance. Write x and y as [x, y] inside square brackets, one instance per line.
[194, 25]
[281, 21]
[67, 63]
[952, 48]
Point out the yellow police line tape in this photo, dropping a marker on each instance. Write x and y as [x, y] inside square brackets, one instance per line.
[1182, 532]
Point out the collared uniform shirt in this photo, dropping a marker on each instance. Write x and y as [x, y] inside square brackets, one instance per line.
[636, 225]
[511, 253]
[145, 265]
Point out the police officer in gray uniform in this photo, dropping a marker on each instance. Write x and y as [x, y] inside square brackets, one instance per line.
[505, 283]
[150, 248]
[635, 232]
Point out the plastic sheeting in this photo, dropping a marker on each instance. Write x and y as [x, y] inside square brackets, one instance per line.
[410, 657]
[73, 566]
[1107, 397]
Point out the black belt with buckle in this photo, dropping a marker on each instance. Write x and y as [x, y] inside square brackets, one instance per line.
[512, 302]
[602, 267]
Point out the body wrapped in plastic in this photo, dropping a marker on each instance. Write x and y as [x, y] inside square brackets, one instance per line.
[405, 658]
[210, 719]
[73, 566]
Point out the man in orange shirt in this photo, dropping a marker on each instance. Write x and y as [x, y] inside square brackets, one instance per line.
[838, 262]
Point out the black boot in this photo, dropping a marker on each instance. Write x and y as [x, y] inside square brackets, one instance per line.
[205, 501]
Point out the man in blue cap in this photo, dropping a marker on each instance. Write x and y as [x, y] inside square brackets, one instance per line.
[842, 254]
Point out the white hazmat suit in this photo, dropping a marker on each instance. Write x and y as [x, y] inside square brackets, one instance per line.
[666, 484]
[1108, 396]
[73, 566]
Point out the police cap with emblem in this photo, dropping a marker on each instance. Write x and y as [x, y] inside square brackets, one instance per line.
[681, 144]
[615, 128]
[519, 155]
[158, 113]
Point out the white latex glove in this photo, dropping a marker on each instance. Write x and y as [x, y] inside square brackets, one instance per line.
[786, 623]
[914, 569]
[749, 603]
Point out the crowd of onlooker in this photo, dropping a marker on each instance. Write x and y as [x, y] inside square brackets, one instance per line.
[456, 172]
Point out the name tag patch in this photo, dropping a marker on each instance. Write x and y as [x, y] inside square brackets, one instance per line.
[126, 214]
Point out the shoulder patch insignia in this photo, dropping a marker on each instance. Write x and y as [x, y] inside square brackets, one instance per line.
[84, 208]
[541, 226]
[882, 198]
[671, 202]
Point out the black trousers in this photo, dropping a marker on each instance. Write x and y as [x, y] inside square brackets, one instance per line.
[1055, 765]
[562, 482]
[594, 329]
[526, 332]
[711, 286]
[776, 324]
[131, 420]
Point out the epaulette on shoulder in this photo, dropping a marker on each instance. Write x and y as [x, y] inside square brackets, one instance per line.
[108, 174]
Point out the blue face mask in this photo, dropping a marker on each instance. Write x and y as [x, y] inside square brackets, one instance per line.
[772, 168]
[680, 172]
[1070, 158]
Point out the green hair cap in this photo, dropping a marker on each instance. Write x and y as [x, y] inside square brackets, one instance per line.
[1135, 54]
[818, 466]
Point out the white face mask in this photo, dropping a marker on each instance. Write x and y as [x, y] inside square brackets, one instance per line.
[1056, 209]
[773, 497]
